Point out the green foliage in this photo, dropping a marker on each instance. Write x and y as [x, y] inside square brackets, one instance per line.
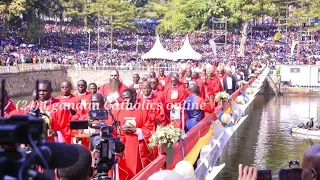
[278, 36]
[121, 14]
[11, 8]
[184, 16]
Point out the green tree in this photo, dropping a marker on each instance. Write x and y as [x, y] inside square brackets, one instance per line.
[10, 9]
[184, 16]
[120, 14]
[244, 11]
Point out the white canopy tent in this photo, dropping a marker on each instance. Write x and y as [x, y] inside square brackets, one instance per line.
[187, 52]
[157, 52]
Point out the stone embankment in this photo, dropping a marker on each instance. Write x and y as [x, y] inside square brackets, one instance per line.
[23, 83]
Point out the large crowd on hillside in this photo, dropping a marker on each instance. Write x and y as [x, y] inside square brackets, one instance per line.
[128, 46]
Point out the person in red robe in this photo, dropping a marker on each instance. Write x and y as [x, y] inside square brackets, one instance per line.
[188, 76]
[112, 90]
[195, 75]
[221, 74]
[174, 98]
[163, 79]
[93, 88]
[135, 84]
[213, 86]
[83, 94]
[153, 75]
[97, 103]
[9, 107]
[69, 100]
[153, 105]
[154, 87]
[142, 79]
[58, 115]
[136, 129]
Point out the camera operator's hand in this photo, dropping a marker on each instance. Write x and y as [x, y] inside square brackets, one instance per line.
[129, 129]
[247, 173]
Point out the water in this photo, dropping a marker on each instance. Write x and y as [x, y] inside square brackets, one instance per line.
[264, 139]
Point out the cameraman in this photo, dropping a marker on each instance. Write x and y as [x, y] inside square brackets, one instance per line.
[97, 102]
[81, 170]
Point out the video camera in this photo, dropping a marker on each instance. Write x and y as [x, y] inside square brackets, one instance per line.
[29, 130]
[104, 143]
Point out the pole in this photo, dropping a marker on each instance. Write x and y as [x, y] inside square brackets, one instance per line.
[89, 41]
[212, 28]
[137, 44]
[111, 37]
[98, 56]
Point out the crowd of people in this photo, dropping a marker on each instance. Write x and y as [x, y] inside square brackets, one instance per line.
[150, 101]
[128, 46]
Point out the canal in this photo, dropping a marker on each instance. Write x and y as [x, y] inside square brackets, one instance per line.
[264, 139]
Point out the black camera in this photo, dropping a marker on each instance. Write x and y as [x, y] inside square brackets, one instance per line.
[98, 114]
[106, 146]
[104, 143]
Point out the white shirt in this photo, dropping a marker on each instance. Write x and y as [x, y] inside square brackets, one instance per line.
[229, 82]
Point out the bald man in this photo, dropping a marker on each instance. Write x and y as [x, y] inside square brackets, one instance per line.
[51, 106]
[135, 79]
[69, 100]
[153, 105]
[175, 95]
[196, 107]
[163, 79]
[97, 103]
[158, 93]
[112, 90]
[141, 80]
[83, 94]
[311, 163]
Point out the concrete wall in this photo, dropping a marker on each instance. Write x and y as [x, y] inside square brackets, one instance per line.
[23, 83]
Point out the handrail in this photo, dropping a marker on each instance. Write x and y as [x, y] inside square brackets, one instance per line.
[191, 137]
[52, 66]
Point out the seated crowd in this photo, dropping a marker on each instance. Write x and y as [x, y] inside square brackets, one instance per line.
[149, 102]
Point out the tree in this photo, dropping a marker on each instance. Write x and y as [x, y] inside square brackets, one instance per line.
[184, 16]
[121, 14]
[244, 11]
[10, 9]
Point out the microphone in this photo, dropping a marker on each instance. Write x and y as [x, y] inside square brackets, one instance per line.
[59, 155]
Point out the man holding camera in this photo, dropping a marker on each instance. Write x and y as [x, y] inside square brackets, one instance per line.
[136, 129]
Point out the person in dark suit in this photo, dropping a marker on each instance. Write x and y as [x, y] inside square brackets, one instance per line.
[229, 83]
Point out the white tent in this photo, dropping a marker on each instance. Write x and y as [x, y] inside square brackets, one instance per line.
[187, 52]
[157, 52]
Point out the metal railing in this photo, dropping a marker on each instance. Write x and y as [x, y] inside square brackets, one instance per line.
[28, 68]
[78, 67]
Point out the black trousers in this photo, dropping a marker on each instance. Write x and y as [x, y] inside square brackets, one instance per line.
[230, 91]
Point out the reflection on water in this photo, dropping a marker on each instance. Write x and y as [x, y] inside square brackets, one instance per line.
[264, 139]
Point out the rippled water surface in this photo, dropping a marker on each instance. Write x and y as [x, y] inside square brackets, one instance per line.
[264, 139]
